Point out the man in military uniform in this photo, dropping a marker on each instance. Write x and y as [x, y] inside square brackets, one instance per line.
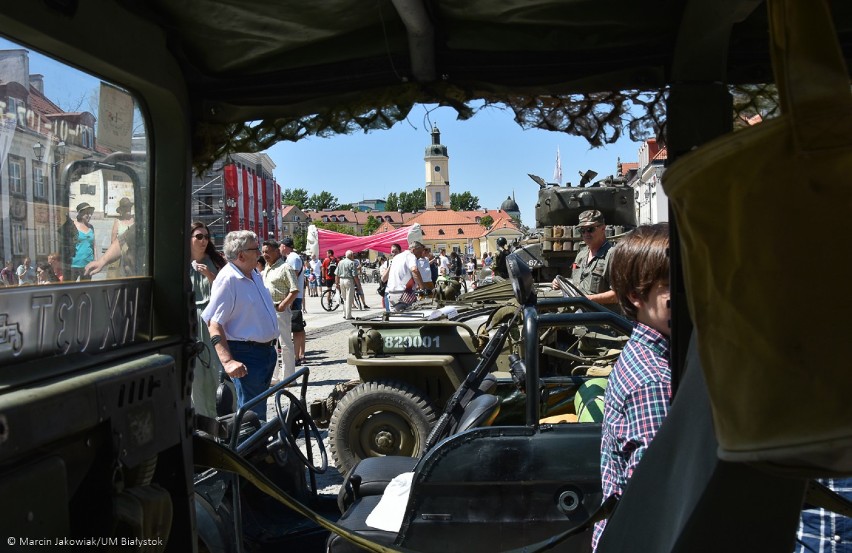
[500, 261]
[590, 270]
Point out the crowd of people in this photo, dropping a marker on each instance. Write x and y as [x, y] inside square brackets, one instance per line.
[250, 303]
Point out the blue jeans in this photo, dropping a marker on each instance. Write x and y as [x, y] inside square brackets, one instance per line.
[260, 363]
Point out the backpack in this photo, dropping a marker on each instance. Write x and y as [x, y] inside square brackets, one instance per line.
[332, 268]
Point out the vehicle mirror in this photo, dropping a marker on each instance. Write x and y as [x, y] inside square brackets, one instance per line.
[522, 280]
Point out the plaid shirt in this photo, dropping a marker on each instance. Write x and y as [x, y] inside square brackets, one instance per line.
[822, 531]
[637, 400]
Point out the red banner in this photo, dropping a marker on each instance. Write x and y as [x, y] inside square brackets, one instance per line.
[230, 200]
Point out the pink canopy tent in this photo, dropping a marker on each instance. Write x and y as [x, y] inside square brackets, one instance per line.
[339, 242]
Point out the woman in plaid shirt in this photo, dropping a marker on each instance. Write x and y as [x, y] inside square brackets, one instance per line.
[639, 391]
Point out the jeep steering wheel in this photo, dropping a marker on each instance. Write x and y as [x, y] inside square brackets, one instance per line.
[293, 418]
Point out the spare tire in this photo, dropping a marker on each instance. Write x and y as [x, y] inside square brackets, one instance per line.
[377, 419]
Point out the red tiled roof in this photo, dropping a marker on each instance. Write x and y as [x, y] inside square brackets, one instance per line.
[662, 154]
[384, 227]
[360, 217]
[459, 224]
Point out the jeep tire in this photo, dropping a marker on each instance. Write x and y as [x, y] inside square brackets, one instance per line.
[380, 418]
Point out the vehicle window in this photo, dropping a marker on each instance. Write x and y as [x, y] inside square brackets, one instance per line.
[73, 175]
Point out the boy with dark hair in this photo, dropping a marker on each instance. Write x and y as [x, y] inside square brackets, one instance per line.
[639, 391]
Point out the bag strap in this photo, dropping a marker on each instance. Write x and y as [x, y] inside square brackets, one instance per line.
[812, 78]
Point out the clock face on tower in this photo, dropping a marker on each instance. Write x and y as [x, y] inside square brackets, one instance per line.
[437, 168]
[436, 151]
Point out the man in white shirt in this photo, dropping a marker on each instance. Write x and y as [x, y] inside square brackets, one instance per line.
[424, 266]
[403, 270]
[316, 266]
[242, 321]
[444, 261]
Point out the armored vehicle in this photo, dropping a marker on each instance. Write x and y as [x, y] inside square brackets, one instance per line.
[554, 242]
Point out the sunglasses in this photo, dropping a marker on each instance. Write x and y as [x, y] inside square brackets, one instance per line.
[252, 250]
[200, 236]
[587, 230]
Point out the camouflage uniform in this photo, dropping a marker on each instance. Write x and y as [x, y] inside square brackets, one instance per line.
[592, 276]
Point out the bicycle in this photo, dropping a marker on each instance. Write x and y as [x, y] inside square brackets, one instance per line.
[331, 299]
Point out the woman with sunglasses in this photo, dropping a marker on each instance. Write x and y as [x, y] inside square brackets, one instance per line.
[205, 265]
[590, 270]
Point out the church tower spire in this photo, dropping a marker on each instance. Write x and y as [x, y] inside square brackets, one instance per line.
[437, 173]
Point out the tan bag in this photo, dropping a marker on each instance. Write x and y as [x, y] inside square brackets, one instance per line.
[763, 215]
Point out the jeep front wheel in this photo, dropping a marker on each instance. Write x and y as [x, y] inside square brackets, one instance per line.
[377, 419]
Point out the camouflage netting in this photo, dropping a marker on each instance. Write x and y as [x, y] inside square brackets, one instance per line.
[601, 118]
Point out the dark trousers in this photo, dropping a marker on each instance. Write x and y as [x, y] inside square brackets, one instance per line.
[260, 363]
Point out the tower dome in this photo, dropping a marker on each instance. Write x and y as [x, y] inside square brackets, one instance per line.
[436, 148]
[511, 207]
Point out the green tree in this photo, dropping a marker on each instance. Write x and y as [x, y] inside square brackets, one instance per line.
[418, 199]
[392, 202]
[464, 202]
[371, 225]
[323, 200]
[300, 239]
[347, 207]
[295, 196]
[336, 227]
[412, 201]
[486, 221]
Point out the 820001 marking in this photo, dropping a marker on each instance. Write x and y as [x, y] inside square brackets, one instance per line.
[399, 342]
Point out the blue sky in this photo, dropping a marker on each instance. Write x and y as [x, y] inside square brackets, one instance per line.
[490, 156]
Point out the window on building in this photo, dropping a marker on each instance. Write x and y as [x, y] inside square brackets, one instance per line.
[440, 231]
[20, 245]
[87, 135]
[39, 181]
[42, 240]
[19, 108]
[17, 178]
[460, 231]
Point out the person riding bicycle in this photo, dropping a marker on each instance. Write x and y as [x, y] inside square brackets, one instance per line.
[329, 268]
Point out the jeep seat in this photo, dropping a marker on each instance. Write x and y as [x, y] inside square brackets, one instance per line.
[370, 476]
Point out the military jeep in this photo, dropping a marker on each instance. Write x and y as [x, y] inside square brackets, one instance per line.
[409, 364]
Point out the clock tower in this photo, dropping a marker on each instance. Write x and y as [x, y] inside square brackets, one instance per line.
[437, 173]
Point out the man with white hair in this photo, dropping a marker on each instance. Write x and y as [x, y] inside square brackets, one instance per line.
[346, 278]
[242, 320]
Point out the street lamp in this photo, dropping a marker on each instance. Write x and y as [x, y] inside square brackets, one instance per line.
[58, 155]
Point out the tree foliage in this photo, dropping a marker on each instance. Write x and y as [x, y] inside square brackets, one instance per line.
[323, 200]
[412, 201]
[371, 225]
[346, 207]
[300, 239]
[392, 202]
[464, 201]
[486, 221]
[336, 227]
[295, 196]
